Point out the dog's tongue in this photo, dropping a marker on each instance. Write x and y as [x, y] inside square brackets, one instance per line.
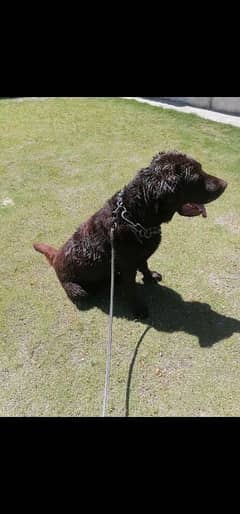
[193, 209]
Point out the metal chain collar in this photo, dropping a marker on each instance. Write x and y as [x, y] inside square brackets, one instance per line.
[138, 229]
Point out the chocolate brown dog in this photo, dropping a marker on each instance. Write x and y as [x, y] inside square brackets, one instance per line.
[172, 183]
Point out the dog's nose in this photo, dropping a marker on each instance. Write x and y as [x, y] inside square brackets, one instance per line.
[223, 184]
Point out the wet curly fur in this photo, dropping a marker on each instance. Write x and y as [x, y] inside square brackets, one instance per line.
[155, 194]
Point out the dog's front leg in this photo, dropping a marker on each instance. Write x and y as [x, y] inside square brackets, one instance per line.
[148, 275]
[136, 306]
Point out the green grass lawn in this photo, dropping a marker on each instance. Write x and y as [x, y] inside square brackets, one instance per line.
[60, 160]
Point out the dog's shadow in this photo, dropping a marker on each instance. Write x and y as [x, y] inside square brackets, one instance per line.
[168, 312]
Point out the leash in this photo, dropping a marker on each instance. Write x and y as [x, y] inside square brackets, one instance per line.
[140, 232]
[109, 343]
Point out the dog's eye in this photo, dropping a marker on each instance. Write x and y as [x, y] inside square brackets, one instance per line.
[193, 177]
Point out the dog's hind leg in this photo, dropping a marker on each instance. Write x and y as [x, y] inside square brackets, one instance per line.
[148, 275]
[75, 292]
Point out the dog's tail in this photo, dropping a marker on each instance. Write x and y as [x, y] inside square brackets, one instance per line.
[48, 251]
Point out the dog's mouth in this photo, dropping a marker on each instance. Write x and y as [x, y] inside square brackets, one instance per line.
[192, 209]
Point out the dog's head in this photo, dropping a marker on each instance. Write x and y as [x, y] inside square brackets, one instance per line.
[175, 182]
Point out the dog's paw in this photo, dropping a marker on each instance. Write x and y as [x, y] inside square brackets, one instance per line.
[153, 276]
[157, 277]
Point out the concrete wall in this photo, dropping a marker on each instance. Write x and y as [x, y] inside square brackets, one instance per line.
[226, 104]
[230, 105]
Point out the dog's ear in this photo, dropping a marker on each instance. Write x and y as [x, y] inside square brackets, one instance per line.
[179, 169]
[172, 168]
[169, 178]
[171, 182]
[183, 171]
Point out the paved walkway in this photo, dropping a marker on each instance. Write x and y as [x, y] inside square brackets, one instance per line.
[203, 113]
